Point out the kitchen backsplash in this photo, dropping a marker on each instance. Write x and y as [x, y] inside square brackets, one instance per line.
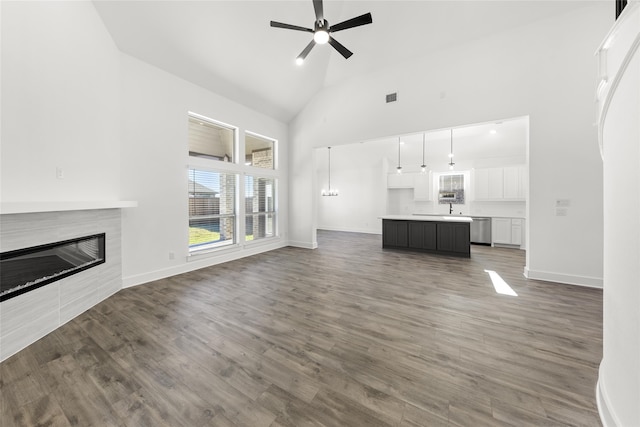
[401, 202]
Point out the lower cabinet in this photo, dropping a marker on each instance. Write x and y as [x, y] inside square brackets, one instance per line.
[428, 236]
[422, 235]
[501, 231]
[453, 237]
[395, 233]
[516, 231]
[507, 231]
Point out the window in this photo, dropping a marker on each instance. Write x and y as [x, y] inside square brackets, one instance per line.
[212, 212]
[259, 151]
[451, 189]
[216, 211]
[210, 139]
[260, 218]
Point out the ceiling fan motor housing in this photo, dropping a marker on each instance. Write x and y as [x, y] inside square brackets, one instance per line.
[321, 26]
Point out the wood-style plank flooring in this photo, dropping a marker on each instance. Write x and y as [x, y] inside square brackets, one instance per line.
[344, 335]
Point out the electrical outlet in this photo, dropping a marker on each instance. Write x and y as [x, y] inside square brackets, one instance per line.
[172, 255]
[59, 172]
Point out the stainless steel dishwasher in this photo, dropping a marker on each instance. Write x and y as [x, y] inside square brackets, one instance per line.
[481, 231]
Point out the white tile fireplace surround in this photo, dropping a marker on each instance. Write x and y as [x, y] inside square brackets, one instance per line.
[28, 317]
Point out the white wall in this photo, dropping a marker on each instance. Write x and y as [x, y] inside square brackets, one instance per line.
[154, 163]
[544, 70]
[358, 175]
[619, 377]
[60, 101]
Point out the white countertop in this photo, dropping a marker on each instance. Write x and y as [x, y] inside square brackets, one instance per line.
[474, 215]
[439, 218]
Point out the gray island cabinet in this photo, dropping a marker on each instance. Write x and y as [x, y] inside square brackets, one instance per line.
[435, 234]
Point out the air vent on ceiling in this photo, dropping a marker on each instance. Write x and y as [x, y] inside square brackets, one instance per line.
[392, 97]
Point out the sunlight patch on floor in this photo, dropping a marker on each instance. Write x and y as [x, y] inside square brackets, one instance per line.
[500, 285]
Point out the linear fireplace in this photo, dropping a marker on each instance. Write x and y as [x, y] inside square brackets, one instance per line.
[27, 269]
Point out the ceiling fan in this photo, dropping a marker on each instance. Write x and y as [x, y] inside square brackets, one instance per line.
[321, 31]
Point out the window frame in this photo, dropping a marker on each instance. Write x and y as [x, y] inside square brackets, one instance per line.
[275, 150]
[451, 196]
[235, 149]
[274, 211]
[241, 172]
[213, 247]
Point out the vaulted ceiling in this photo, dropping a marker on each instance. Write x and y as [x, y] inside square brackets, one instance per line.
[229, 48]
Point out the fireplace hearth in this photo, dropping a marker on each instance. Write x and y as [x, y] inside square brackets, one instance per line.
[27, 269]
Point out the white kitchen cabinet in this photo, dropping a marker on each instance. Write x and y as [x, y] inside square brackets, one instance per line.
[516, 231]
[481, 184]
[501, 230]
[507, 231]
[497, 184]
[514, 182]
[400, 180]
[422, 187]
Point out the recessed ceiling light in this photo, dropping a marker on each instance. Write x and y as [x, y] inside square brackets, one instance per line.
[492, 131]
[299, 61]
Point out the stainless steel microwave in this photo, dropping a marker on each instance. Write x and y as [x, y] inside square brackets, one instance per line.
[451, 196]
[447, 195]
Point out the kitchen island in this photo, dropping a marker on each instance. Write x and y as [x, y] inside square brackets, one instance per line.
[446, 234]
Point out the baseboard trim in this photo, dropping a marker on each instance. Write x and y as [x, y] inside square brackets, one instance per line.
[589, 282]
[217, 258]
[304, 245]
[353, 230]
[607, 417]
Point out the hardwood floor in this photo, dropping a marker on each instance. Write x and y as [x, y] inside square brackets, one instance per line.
[344, 335]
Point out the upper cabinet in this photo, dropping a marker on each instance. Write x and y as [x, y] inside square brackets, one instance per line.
[499, 184]
[420, 182]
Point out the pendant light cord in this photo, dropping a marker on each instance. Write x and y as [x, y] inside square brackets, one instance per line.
[329, 169]
[452, 144]
[424, 165]
[399, 168]
[451, 155]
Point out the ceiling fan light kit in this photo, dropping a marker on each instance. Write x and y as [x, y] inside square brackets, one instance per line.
[322, 31]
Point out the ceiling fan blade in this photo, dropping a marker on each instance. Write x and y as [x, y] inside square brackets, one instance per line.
[353, 22]
[290, 27]
[340, 48]
[306, 50]
[317, 6]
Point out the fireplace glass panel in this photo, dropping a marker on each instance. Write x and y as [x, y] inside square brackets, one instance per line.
[26, 269]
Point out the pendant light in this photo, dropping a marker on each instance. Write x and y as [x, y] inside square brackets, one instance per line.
[399, 168]
[329, 192]
[423, 167]
[451, 164]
